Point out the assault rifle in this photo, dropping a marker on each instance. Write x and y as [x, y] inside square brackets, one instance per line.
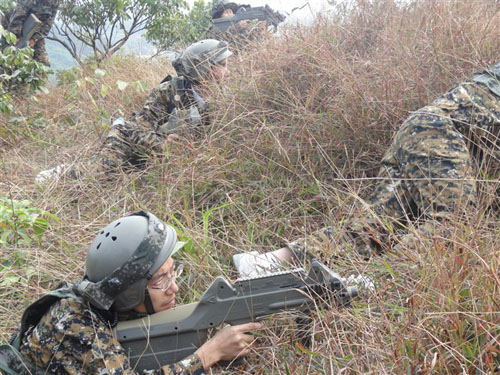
[172, 335]
[30, 26]
[264, 13]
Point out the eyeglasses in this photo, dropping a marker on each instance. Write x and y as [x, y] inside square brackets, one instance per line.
[163, 283]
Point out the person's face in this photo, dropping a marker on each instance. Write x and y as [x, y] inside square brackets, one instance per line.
[227, 13]
[161, 299]
[220, 71]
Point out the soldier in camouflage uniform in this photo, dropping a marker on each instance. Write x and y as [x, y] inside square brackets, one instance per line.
[129, 273]
[170, 109]
[428, 174]
[45, 11]
[239, 34]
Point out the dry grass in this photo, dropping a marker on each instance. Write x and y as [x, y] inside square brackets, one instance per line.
[298, 131]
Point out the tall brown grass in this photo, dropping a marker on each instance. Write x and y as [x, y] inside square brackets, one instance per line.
[298, 132]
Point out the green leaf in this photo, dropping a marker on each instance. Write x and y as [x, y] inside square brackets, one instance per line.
[99, 73]
[206, 216]
[104, 90]
[9, 280]
[389, 268]
[179, 245]
[51, 216]
[121, 85]
[40, 226]
[26, 240]
[4, 237]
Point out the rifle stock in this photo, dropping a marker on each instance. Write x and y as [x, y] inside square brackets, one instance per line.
[169, 336]
[264, 13]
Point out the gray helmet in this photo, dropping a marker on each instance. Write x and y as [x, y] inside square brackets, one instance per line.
[196, 61]
[122, 258]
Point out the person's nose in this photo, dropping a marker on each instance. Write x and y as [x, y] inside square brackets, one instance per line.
[173, 288]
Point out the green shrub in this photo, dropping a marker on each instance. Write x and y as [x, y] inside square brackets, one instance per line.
[18, 71]
[20, 223]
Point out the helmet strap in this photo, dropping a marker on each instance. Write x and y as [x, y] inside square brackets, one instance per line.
[148, 303]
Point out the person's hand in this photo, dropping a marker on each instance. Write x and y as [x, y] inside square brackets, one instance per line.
[244, 24]
[172, 138]
[262, 26]
[230, 343]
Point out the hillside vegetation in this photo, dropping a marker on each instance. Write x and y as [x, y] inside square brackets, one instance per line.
[298, 132]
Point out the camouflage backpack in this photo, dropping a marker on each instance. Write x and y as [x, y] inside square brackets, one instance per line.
[11, 360]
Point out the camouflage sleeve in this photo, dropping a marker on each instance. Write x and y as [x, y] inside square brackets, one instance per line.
[160, 103]
[313, 245]
[366, 237]
[71, 339]
[145, 139]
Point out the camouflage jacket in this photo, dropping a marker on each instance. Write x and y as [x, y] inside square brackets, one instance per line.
[72, 338]
[173, 106]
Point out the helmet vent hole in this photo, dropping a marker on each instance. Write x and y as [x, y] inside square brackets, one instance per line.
[98, 246]
[102, 232]
[113, 238]
[117, 224]
[107, 234]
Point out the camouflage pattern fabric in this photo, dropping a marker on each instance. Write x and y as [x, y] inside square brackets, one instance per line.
[427, 174]
[45, 10]
[72, 339]
[167, 110]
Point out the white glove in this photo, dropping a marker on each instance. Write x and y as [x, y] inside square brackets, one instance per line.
[254, 264]
[49, 174]
[361, 281]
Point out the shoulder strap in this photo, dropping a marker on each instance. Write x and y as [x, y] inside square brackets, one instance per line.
[11, 360]
[37, 309]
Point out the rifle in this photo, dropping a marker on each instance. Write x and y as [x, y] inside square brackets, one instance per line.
[30, 26]
[264, 13]
[172, 335]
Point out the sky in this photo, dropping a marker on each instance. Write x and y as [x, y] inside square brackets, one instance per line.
[310, 7]
[304, 15]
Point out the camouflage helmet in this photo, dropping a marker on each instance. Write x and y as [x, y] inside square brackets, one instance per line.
[122, 258]
[218, 7]
[197, 60]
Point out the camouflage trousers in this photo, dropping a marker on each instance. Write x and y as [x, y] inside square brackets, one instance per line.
[127, 144]
[40, 52]
[427, 175]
